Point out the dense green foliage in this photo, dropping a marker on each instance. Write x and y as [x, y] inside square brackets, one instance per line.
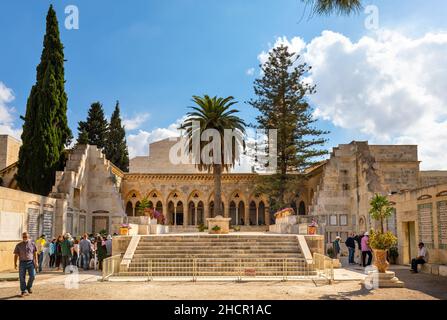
[282, 103]
[116, 147]
[95, 126]
[214, 113]
[45, 130]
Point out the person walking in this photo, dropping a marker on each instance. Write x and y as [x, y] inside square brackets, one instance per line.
[26, 253]
[109, 246]
[76, 253]
[59, 241]
[40, 244]
[52, 253]
[350, 243]
[101, 251]
[336, 247]
[67, 251]
[84, 250]
[358, 239]
[366, 250]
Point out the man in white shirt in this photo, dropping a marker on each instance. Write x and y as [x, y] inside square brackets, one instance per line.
[420, 259]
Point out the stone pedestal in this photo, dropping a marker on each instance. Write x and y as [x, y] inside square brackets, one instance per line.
[375, 279]
[221, 222]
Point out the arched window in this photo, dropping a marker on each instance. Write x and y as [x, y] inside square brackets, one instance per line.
[302, 209]
[129, 209]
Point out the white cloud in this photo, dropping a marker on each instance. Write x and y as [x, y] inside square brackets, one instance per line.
[136, 121]
[139, 143]
[250, 72]
[387, 86]
[6, 112]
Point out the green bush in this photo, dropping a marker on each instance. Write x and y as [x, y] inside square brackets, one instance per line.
[330, 252]
[201, 227]
[216, 228]
[382, 241]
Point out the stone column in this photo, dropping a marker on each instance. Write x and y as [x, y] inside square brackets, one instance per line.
[185, 215]
[267, 215]
[195, 214]
[206, 213]
[227, 211]
[247, 214]
[237, 215]
[257, 215]
[175, 215]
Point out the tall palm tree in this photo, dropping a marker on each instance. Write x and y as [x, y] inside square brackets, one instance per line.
[214, 113]
[322, 7]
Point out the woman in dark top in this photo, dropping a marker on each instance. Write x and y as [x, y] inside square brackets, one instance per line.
[101, 251]
[59, 241]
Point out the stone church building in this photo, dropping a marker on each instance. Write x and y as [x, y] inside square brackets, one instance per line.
[91, 195]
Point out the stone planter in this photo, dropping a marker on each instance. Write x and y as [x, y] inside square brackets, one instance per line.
[221, 222]
[380, 260]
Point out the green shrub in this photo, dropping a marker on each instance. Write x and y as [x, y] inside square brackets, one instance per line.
[216, 228]
[382, 241]
[201, 227]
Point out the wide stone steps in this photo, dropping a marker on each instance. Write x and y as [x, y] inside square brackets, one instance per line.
[217, 255]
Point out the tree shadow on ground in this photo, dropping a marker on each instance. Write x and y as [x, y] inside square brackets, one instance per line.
[362, 292]
[432, 285]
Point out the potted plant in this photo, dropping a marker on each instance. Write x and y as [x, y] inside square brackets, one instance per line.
[312, 228]
[380, 241]
[237, 228]
[215, 230]
[393, 254]
[330, 252]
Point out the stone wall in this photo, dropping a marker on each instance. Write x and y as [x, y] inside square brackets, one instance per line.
[421, 215]
[20, 212]
[350, 178]
[9, 150]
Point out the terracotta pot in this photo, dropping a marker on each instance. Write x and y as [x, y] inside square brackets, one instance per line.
[311, 230]
[380, 260]
[124, 231]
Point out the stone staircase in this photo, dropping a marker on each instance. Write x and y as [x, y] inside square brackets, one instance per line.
[218, 255]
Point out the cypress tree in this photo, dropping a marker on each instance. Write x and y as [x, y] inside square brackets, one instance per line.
[116, 147]
[45, 129]
[282, 103]
[96, 127]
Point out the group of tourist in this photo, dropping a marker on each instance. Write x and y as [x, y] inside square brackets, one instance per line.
[33, 257]
[355, 243]
[360, 243]
[87, 252]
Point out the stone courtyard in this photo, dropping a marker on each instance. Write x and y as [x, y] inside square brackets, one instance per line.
[50, 286]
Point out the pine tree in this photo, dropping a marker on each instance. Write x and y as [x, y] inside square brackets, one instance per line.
[45, 129]
[116, 147]
[96, 127]
[82, 137]
[281, 101]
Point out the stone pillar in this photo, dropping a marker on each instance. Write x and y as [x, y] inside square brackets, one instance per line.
[227, 211]
[247, 214]
[175, 215]
[237, 215]
[206, 213]
[257, 215]
[195, 214]
[185, 215]
[267, 215]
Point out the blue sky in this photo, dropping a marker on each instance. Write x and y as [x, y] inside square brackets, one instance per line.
[154, 55]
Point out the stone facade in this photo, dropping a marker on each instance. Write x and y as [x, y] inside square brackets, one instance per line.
[92, 194]
[9, 150]
[421, 215]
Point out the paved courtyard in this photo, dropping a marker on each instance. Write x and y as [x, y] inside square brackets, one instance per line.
[347, 286]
